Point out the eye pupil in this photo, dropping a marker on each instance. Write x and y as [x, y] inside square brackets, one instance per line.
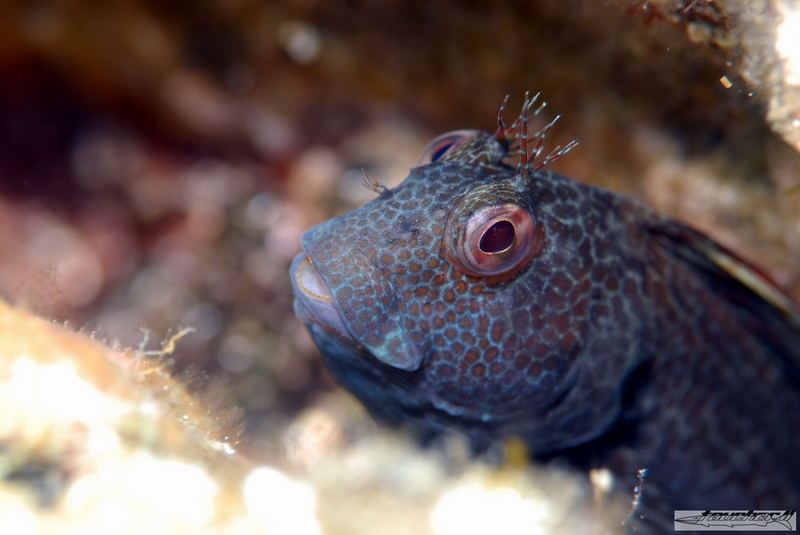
[498, 237]
[441, 151]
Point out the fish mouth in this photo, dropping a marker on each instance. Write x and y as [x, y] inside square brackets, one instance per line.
[313, 301]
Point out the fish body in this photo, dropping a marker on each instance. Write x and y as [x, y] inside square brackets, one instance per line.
[500, 300]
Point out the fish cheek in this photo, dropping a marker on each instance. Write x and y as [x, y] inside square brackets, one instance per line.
[371, 309]
[481, 365]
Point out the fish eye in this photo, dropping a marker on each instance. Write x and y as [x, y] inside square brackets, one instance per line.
[444, 145]
[497, 240]
[498, 237]
[441, 150]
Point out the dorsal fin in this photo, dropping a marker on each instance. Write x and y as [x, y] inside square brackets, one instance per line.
[764, 307]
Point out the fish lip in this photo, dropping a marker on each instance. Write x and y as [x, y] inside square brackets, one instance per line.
[313, 299]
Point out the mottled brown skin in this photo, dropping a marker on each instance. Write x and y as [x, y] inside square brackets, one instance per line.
[626, 341]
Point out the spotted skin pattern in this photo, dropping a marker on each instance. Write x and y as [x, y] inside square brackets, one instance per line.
[624, 342]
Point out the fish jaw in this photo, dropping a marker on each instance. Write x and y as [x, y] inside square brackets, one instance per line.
[313, 302]
[324, 297]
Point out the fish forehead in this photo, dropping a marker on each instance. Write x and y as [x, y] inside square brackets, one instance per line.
[406, 217]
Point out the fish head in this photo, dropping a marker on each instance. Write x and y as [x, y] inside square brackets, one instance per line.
[457, 300]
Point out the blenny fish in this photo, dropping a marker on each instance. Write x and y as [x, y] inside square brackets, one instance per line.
[501, 299]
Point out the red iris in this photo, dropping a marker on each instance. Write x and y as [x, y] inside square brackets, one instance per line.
[496, 240]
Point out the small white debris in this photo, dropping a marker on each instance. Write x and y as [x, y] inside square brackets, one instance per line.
[787, 43]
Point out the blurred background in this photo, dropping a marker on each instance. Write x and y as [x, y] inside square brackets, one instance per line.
[159, 159]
